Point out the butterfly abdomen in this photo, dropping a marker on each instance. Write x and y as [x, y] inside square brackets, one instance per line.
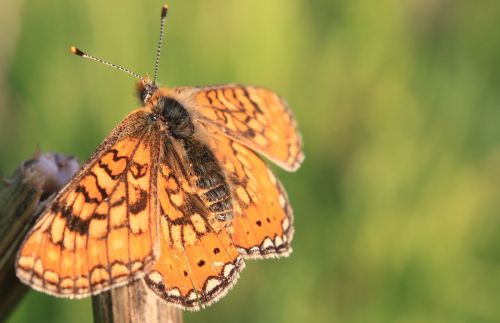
[210, 178]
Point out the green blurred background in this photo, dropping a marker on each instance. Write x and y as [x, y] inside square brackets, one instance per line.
[397, 209]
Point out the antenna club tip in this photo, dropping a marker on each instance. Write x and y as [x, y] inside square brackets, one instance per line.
[76, 51]
[164, 10]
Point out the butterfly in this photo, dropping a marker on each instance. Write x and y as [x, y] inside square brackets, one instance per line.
[177, 195]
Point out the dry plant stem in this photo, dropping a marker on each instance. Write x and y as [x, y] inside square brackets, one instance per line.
[133, 303]
[19, 200]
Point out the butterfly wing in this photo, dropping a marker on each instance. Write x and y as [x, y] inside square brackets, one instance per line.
[253, 116]
[263, 221]
[241, 120]
[198, 262]
[100, 230]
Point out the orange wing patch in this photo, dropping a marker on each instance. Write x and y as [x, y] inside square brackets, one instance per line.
[262, 226]
[254, 116]
[197, 263]
[100, 231]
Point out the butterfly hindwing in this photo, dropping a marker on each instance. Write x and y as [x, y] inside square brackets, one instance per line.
[99, 231]
[262, 224]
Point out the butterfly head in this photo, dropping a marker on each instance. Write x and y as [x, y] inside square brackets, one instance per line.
[145, 89]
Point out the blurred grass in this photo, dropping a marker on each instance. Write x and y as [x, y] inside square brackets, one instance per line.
[397, 209]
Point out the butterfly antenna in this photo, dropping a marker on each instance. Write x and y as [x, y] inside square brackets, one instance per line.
[78, 52]
[164, 11]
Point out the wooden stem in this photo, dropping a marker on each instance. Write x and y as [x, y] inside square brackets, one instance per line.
[133, 303]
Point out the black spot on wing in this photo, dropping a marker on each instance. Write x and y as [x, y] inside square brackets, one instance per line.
[140, 204]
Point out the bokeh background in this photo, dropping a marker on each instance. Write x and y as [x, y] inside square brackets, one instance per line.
[397, 205]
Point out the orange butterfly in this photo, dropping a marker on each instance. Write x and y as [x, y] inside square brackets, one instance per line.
[176, 194]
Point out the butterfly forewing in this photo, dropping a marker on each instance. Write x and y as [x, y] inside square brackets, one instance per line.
[254, 116]
[100, 231]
